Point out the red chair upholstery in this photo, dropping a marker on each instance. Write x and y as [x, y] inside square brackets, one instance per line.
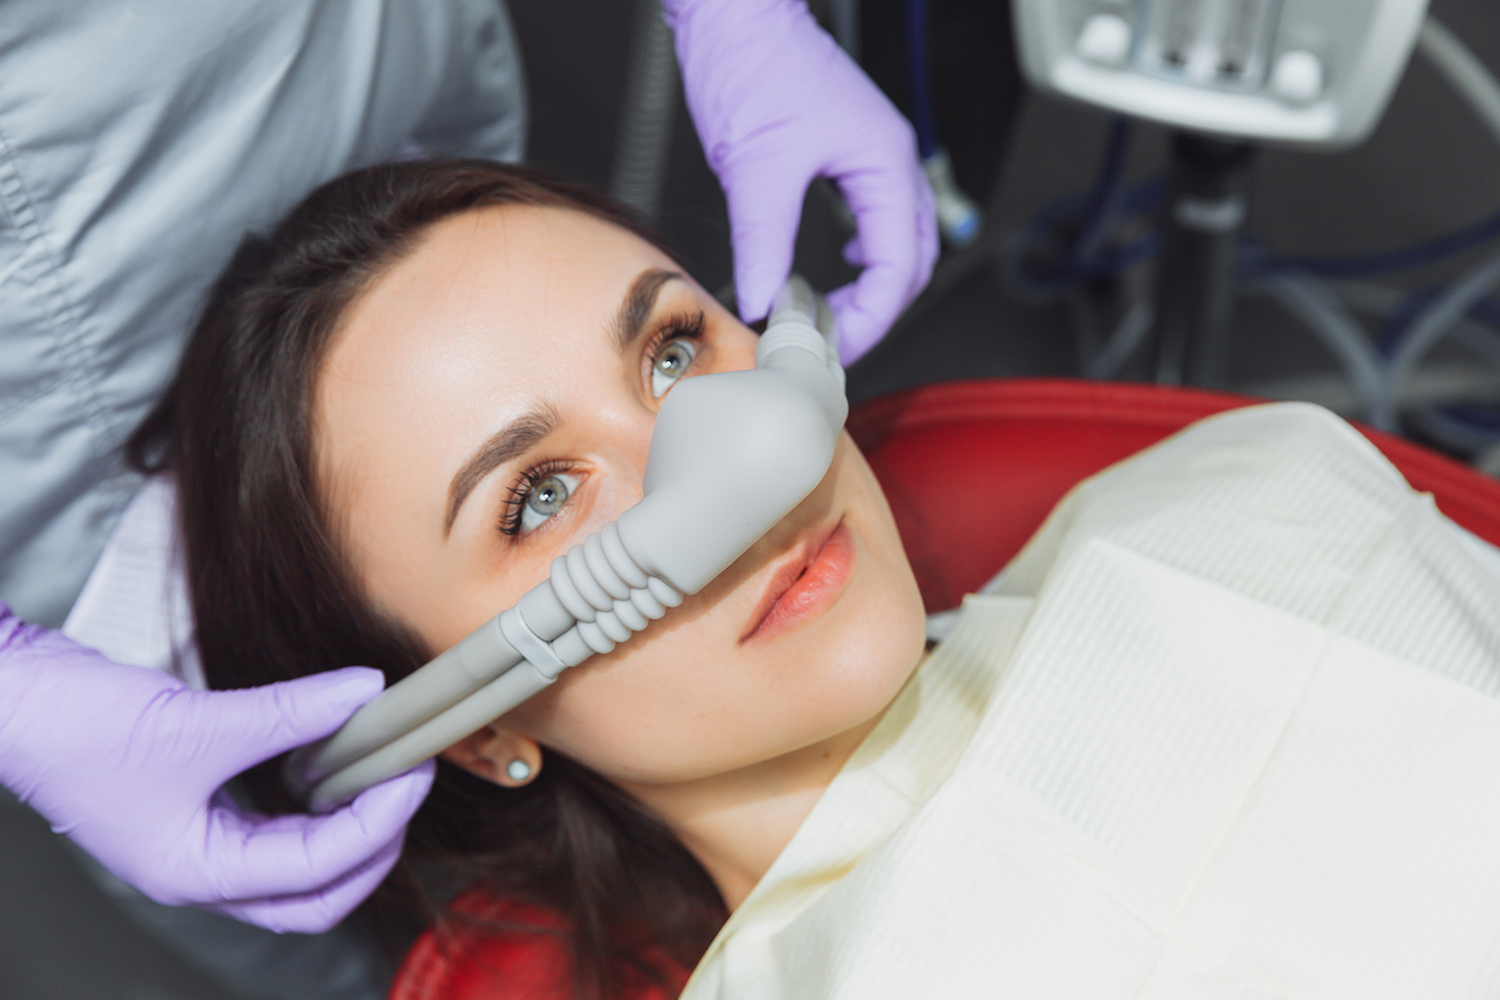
[498, 949]
[971, 470]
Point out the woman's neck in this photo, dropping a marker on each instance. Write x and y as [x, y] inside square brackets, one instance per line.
[736, 824]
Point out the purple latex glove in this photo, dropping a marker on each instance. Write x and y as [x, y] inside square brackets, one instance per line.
[128, 762]
[777, 103]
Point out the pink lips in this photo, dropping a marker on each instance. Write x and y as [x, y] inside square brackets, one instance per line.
[803, 587]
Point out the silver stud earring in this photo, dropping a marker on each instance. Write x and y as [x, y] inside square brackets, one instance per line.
[518, 770]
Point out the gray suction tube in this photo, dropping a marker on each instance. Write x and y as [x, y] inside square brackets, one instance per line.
[731, 455]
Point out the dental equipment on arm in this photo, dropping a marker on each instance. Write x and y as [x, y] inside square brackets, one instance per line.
[732, 453]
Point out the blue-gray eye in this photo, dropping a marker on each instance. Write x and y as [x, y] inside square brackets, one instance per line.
[672, 361]
[546, 498]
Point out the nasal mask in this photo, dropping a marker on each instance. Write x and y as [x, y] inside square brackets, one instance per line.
[731, 455]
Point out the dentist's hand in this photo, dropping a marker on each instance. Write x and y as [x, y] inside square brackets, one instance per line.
[777, 103]
[128, 762]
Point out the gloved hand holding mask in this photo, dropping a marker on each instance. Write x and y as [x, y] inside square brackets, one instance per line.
[130, 763]
[778, 103]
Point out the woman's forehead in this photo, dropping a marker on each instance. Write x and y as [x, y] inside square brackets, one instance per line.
[518, 260]
[494, 314]
[492, 284]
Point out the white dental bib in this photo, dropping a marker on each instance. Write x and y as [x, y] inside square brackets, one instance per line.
[1229, 729]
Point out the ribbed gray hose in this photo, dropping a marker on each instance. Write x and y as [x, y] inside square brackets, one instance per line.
[645, 141]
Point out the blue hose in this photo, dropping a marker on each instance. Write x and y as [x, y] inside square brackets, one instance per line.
[1106, 202]
[1106, 195]
[924, 119]
[1363, 265]
[1086, 256]
[1067, 243]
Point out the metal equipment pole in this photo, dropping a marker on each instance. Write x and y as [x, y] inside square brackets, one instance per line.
[1202, 217]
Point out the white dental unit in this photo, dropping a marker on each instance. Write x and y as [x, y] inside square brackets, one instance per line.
[1227, 76]
[1311, 72]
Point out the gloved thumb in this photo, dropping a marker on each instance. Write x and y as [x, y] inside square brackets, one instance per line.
[254, 724]
[763, 229]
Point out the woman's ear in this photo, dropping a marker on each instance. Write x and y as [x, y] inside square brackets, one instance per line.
[497, 754]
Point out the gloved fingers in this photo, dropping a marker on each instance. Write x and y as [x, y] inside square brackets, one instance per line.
[254, 724]
[893, 242]
[854, 252]
[927, 244]
[763, 230]
[320, 910]
[250, 857]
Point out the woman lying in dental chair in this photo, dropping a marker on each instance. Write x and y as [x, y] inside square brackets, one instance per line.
[1225, 728]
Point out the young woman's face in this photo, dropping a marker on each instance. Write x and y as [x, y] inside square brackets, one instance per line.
[489, 402]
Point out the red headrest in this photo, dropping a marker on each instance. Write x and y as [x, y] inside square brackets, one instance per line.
[972, 468]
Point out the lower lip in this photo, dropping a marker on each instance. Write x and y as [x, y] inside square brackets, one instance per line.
[818, 586]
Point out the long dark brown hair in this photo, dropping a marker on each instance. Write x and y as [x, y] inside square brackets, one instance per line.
[274, 598]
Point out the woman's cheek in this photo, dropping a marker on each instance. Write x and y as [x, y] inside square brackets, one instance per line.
[611, 729]
[659, 709]
[672, 711]
[685, 698]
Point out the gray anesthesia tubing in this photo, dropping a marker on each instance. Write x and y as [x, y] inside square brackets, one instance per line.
[731, 454]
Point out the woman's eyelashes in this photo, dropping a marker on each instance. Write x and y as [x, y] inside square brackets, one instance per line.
[543, 489]
[673, 350]
[540, 493]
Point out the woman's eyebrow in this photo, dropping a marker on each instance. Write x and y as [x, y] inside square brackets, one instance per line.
[514, 439]
[636, 307]
[520, 434]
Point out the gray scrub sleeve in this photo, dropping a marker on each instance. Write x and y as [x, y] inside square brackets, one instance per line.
[139, 141]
